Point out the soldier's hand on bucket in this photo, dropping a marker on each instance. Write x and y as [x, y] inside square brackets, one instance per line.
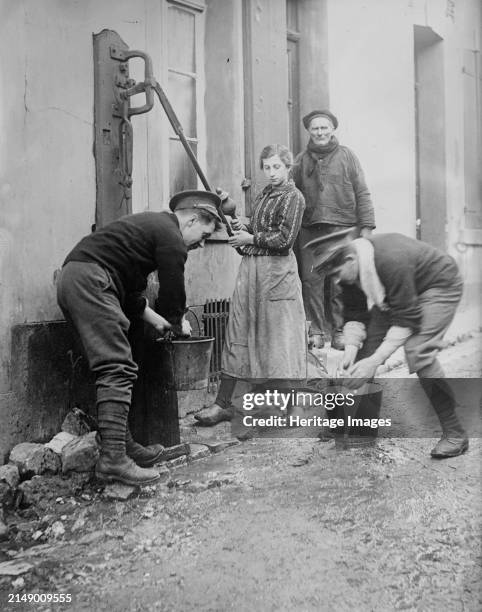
[186, 329]
[160, 324]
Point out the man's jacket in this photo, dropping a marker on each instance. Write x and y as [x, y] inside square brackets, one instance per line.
[334, 189]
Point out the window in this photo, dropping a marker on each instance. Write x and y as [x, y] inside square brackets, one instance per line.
[185, 87]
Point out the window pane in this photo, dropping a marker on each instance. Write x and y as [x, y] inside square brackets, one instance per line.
[182, 174]
[182, 96]
[181, 37]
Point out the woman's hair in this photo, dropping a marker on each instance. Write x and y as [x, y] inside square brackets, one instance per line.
[283, 152]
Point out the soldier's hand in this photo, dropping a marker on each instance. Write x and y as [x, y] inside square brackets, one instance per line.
[160, 324]
[186, 328]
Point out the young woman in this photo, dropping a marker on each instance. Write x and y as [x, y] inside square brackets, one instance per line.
[265, 337]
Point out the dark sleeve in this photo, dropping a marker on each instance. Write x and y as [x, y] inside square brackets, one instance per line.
[171, 298]
[365, 211]
[354, 304]
[286, 226]
[135, 304]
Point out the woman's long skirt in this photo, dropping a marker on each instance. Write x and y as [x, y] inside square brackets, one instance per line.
[266, 334]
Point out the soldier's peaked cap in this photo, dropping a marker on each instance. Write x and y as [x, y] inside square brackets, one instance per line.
[203, 200]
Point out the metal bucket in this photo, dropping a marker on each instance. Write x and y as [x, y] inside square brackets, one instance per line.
[190, 359]
[368, 401]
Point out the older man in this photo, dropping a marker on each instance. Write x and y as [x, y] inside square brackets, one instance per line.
[331, 179]
[397, 291]
[100, 289]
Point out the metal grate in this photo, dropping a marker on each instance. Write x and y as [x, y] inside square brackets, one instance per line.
[215, 319]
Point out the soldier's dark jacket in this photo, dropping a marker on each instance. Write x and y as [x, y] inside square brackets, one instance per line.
[130, 249]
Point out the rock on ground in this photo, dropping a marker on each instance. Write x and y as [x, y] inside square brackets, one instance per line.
[6, 494]
[9, 473]
[81, 454]
[58, 442]
[118, 491]
[78, 423]
[32, 459]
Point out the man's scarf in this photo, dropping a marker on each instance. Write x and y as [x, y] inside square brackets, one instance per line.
[369, 280]
[318, 153]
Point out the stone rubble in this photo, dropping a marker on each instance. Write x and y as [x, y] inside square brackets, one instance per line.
[118, 491]
[78, 423]
[9, 473]
[39, 477]
[58, 442]
[14, 568]
[198, 451]
[3, 527]
[80, 454]
[33, 459]
[7, 494]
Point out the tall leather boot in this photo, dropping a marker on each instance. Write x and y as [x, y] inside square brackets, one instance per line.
[454, 439]
[144, 456]
[113, 463]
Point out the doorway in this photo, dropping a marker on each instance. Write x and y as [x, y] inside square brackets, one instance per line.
[431, 204]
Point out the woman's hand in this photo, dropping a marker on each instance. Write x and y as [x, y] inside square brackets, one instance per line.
[238, 226]
[241, 238]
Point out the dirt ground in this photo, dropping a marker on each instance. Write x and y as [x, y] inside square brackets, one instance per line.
[273, 524]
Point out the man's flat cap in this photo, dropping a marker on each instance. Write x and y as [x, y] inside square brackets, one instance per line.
[319, 113]
[326, 247]
[203, 200]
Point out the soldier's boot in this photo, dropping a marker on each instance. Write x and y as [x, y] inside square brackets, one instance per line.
[144, 456]
[454, 439]
[113, 464]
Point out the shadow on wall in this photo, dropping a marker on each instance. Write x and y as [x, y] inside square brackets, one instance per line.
[50, 377]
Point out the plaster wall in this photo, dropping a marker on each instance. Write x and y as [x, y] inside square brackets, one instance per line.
[371, 86]
[47, 166]
[47, 170]
[212, 271]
